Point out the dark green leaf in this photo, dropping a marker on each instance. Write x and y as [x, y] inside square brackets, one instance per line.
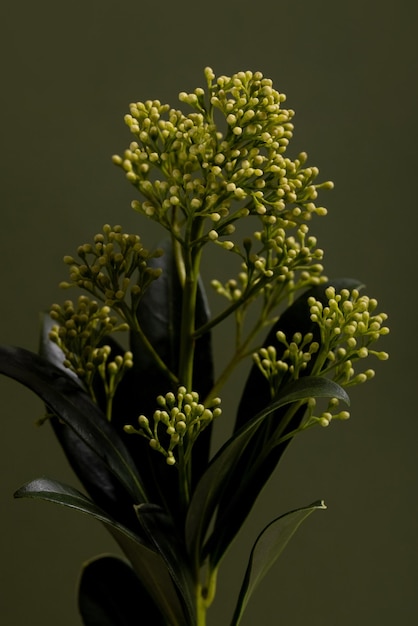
[49, 350]
[296, 318]
[92, 472]
[160, 317]
[213, 482]
[65, 399]
[111, 594]
[159, 314]
[148, 565]
[267, 548]
[60, 493]
[240, 495]
[163, 535]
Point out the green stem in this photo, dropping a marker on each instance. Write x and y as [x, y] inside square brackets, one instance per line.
[200, 607]
[240, 353]
[285, 421]
[135, 326]
[192, 256]
[187, 341]
[178, 257]
[205, 595]
[184, 480]
[190, 265]
[245, 298]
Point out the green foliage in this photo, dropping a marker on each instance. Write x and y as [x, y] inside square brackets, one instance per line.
[268, 546]
[173, 505]
[109, 595]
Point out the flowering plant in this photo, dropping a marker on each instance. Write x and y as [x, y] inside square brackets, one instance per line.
[135, 421]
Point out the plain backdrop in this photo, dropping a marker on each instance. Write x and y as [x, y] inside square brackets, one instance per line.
[349, 69]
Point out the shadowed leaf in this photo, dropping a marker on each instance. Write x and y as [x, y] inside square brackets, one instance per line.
[65, 398]
[148, 564]
[159, 314]
[239, 496]
[267, 548]
[110, 594]
[92, 472]
[220, 472]
[163, 536]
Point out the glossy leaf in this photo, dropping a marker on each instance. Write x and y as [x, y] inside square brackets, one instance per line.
[111, 594]
[163, 535]
[221, 469]
[296, 318]
[160, 317]
[50, 351]
[266, 550]
[60, 493]
[71, 404]
[239, 496]
[148, 565]
[93, 473]
[159, 314]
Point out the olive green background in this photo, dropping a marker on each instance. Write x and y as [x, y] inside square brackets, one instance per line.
[69, 70]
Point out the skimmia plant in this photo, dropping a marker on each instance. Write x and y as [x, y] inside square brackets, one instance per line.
[125, 368]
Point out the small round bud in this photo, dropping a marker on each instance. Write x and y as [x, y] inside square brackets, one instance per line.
[181, 427]
[344, 415]
[143, 421]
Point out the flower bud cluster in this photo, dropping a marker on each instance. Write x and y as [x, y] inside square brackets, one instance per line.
[282, 264]
[348, 326]
[233, 290]
[80, 333]
[177, 422]
[189, 165]
[114, 265]
[290, 363]
[324, 417]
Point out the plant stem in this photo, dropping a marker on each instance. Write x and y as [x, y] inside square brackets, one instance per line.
[200, 608]
[204, 597]
[135, 327]
[240, 353]
[184, 480]
[190, 265]
[192, 256]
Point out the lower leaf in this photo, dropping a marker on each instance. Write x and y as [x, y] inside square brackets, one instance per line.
[221, 469]
[267, 548]
[148, 565]
[110, 594]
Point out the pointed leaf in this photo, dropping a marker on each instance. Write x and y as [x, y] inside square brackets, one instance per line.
[71, 404]
[60, 493]
[239, 496]
[110, 594]
[296, 318]
[163, 535]
[92, 472]
[148, 565]
[49, 350]
[210, 487]
[159, 315]
[266, 550]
